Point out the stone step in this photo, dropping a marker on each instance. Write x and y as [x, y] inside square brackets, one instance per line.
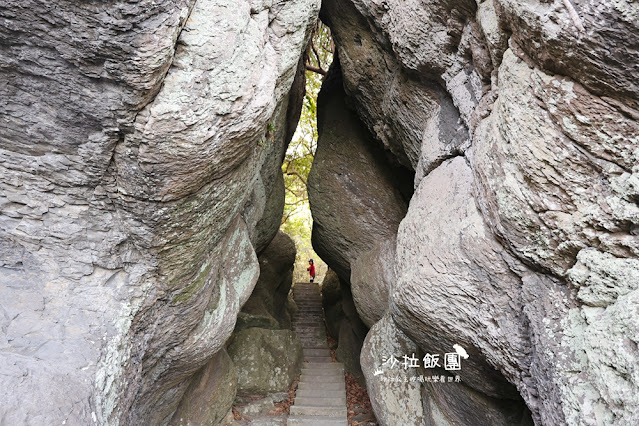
[323, 372]
[320, 393]
[328, 378]
[336, 402]
[324, 365]
[310, 410]
[329, 386]
[320, 369]
[316, 421]
[317, 359]
[324, 351]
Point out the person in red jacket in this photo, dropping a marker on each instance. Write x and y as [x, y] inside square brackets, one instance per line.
[311, 269]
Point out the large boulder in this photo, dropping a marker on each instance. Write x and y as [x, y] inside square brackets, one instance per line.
[267, 360]
[210, 394]
[332, 302]
[268, 305]
[392, 55]
[343, 322]
[394, 402]
[372, 277]
[141, 146]
[352, 190]
[519, 120]
[458, 280]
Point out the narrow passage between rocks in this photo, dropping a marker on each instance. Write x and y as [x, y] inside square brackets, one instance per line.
[321, 393]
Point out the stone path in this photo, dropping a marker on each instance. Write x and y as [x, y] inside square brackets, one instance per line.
[320, 399]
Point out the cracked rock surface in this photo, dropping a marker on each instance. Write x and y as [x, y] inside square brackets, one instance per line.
[140, 153]
[519, 121]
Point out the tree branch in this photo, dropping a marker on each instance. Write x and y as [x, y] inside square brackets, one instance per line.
[298, 202]
[317, 56]
[295, 173]
[310, 67]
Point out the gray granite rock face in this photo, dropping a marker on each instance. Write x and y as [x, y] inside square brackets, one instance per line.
[140, 146]
[269, 304]
[520, 243]
[211, 392]
[267, 360]
[394, 403]
[352, 171]
[372, 277]
[343, 322]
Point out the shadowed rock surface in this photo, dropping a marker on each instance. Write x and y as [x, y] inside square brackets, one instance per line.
[140, 154]
[342, 322]
[519, 120]
[267, 360]
[270, 305]
[210, 393]
[265, 351]
[351, 171]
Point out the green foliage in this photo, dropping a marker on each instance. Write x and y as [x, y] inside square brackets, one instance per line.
[297, 220]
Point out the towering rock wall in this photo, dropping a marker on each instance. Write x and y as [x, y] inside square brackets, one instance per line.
[140, 147]
[520, 243]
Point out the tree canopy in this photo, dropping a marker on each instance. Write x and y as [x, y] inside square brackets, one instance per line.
[297, 220]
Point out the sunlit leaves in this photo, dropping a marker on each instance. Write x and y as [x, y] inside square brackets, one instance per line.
[297, 220]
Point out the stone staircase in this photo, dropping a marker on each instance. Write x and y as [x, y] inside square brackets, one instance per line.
[321, 394]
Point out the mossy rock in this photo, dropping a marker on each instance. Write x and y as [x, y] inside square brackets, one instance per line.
[266, 360]
[245, 321]
[210, 395]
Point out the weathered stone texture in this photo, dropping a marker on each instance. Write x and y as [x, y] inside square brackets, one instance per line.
[343, 322]
[140, 147]
[394, 403]
[211, 392]
[268, 306]
[520, 243]
[352, 171]
[267, 360]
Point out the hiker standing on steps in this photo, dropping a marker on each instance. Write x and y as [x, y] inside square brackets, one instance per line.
[311, 269]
